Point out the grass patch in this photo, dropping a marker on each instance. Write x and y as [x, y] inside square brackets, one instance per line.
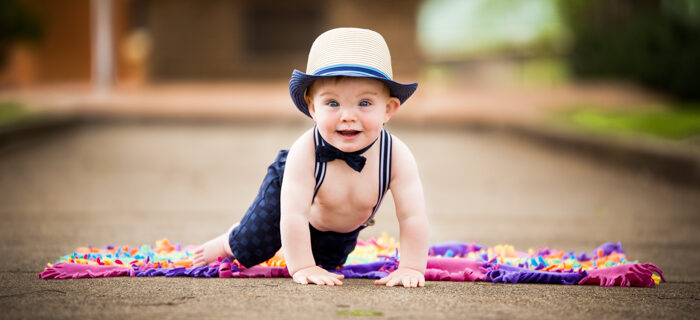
[14, 113]
[668, 123]
[543, 72]
[360, 313]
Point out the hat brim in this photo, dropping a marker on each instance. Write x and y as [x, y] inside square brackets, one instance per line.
[300, 81]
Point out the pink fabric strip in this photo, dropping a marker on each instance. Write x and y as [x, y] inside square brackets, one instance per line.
[65, 270]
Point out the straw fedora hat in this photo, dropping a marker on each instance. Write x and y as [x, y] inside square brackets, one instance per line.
[348, 52]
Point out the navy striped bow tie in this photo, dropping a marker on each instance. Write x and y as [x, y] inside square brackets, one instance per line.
[326, 152]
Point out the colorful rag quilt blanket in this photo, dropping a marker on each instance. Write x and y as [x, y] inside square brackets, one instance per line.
[607, 265]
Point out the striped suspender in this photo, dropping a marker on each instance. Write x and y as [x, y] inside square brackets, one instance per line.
[384, 172]
[320, 170]
[384, 169]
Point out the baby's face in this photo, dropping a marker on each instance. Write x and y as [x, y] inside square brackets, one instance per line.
[350, 112]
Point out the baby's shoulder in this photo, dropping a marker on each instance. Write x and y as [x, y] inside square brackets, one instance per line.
[302, 150]
[306, 139]
[403, 163]
[399, 149]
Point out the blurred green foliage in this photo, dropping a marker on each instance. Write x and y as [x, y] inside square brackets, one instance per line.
[679, 122]
[12, 113]
[655, 43]
[17, 23]
[459, 29]
[543, 71]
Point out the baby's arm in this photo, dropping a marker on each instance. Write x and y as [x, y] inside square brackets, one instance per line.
[296, 196]
[407, 191]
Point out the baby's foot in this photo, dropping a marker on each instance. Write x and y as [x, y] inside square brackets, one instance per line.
[212, 250]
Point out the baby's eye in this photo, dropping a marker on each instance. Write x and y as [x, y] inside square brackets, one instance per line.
[365, 103]
[333, 103]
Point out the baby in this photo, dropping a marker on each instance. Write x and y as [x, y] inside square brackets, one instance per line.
[319, 195]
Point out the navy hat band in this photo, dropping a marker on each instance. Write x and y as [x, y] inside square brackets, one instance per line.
[340, 69]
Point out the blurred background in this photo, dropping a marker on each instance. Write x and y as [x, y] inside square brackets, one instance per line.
[555, 117]
[494, 60]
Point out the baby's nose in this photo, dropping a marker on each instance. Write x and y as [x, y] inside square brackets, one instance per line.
[347, 114]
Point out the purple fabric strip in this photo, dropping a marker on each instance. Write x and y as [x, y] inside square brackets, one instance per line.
[452, 249]
[366, 270]
[511, 274]
[607, 249]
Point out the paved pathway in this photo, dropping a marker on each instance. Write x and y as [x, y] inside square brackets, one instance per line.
[133, 183]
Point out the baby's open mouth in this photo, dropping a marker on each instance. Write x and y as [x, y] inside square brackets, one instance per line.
[348, 133]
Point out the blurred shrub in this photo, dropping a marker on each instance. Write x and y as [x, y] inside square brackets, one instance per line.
[655, 43]
[12, 113]
[679, 123]
[17, 23]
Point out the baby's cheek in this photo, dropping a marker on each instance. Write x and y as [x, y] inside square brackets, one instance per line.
[328, 132]
[373, 127]
[324, 124]
[327, 129]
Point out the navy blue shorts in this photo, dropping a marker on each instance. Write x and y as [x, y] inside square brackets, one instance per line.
[257, 237]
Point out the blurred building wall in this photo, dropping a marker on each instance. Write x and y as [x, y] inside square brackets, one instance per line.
[266, 39]
[183, 40]
[64, 52]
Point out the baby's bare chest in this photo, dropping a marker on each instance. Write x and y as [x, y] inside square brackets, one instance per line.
[344, 189]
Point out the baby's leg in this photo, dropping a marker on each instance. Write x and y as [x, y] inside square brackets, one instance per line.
[263, 214]
[213, 249]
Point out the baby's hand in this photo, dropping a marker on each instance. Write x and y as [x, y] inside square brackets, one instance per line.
[410, 278]
[318, 276]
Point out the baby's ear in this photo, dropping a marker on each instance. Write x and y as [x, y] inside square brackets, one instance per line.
[310, 105]
[392, 105]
